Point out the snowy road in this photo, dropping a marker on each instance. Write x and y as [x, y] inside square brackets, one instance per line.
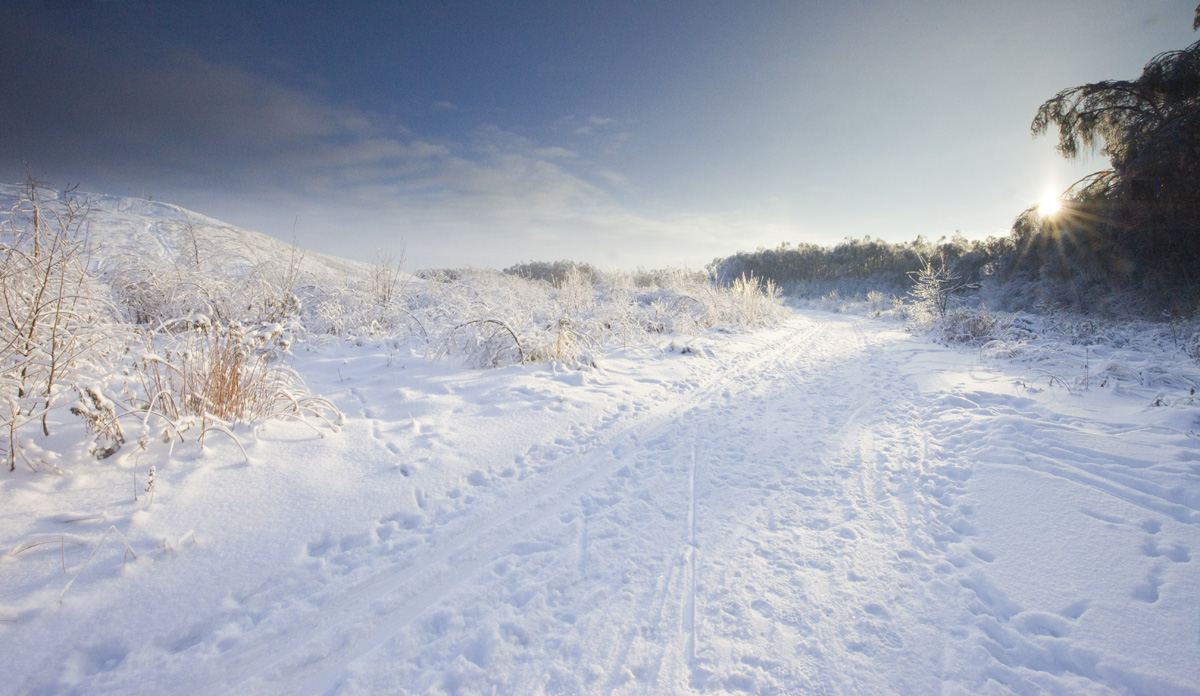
[833, 508]
[728, 538]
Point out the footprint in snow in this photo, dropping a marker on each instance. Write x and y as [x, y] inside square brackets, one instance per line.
[1148, 591]
[319, 548]
[876, 610]
[1042, 624]
[350, 542]
[401, 520]
[763, 607]
[872, 636]
[1178, 553]
[962, 527]
[1074, 611]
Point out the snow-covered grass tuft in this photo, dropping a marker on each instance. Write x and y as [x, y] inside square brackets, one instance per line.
[973, 326]
[214, 376]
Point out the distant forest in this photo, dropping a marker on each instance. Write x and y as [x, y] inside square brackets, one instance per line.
[1126, 240]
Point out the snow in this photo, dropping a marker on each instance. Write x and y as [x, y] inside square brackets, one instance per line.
[832, 506]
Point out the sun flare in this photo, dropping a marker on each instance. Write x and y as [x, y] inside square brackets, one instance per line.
[1049, 205]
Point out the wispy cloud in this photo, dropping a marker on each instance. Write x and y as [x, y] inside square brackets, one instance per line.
[186, 124]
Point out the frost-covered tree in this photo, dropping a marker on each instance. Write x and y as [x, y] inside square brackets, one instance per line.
[1142, 214]
[933, 286]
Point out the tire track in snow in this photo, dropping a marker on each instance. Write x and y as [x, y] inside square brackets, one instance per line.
[661, 670]
[689, 609]
[328, 640]
[821, 610]
[742, 434]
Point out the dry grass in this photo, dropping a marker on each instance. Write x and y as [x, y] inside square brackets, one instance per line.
[219, 375]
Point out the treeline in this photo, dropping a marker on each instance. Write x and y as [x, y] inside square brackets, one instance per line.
[1023, 271]
[558, 273]
[856, 266]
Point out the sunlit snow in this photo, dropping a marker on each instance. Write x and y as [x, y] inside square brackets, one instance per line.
[830, 505]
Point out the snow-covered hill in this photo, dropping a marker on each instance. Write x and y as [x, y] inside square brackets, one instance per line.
[167, 234]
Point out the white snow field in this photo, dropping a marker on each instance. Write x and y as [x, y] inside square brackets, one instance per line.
[831, 506]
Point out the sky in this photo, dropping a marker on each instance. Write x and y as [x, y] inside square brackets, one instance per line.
[622, 134]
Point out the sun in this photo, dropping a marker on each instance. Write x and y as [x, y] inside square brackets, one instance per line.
[1049, 205]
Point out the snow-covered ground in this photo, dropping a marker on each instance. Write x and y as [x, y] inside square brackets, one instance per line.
[832, 506]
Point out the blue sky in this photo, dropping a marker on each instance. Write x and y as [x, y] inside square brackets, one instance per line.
[618, 133]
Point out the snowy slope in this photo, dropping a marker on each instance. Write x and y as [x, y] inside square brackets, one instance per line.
[830, 507]
[166, 234]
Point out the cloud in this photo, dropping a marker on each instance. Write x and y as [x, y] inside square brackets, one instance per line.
[589, 125]
[236, 144]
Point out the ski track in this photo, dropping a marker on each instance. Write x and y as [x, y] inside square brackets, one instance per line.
[449, 561]
[800, 523]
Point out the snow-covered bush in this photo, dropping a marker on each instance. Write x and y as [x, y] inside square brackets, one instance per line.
[482, 343]
[555, 272]
[748, 301]
[972, 325]
[208, 375]
[1084, 353]
[878, 302]
[486, 318]
[55, 344]
[151, 291]
[564, 341]
[934, 284]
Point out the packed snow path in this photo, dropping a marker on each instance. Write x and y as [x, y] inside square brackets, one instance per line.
[837, 508]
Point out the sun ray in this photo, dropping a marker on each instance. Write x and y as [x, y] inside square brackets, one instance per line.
[1050, 205]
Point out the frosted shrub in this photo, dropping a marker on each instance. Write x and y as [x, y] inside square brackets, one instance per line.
[617, 313]
[878, 302]
[972, 325]
[576, 294]
[99, 415]
[216, 375]
[479, 316]
[151, 296]
[933, 286]
[485, 318]
[54, 337]
[564, 341]
[750, 302]
[386, 282]
[152, 293]
[482, 343]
